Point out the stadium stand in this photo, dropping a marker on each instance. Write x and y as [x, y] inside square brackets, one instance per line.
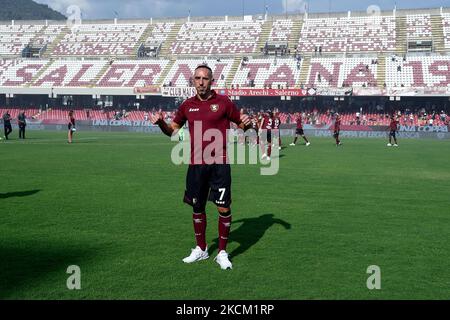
[419, 26]
[343, 72]
[446, 29]
[267, 72]
[90, 40]
[19, 72]
[312, 117]
[14, 38]
[353, 34]
[327, 52]
[132, 73]
[281, 30]
[66, 73]
[180, 75]
[217, 37]
[418, 71]
[160, 32]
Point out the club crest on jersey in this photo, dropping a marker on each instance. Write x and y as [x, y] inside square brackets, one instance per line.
[214, 107]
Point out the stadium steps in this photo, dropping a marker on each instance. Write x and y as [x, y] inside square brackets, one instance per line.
[51, 47]
[437, 31]
[381, 70]
[171, 38]
[40, 73]
[400, 26]
[145, 35]
[165, 72]
[232, 73]
[264, 35]
[295, 34]
[38, 34]
[306, 64]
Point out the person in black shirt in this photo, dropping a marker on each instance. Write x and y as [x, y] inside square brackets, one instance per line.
[7, 124]
[71, 126]
[21, 120]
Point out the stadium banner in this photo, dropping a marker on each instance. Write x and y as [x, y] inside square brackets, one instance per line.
[423, 129]
[368, 92]
[377, 134]
[180, 92]
[124, 123]
[263, 92]
[149, 90]
[328, 91]
[247, 92]
[411, 92]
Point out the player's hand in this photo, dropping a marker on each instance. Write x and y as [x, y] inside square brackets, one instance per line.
[245, 119]
[155, 117]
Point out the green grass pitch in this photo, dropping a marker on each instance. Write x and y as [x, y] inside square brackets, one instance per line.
[111, 204]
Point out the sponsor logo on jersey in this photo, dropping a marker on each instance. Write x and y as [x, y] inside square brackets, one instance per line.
[193, 109]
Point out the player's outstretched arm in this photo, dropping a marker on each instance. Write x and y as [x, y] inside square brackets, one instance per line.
[167, 129]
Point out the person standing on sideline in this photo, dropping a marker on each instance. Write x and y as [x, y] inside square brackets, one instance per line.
[337, 129]
[21, 120]
[276, 129]
[265, 135]
[208, 176]
[71, 126]
[7, 124]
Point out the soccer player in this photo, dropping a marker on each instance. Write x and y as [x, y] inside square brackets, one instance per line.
[208, 178]
[299, 131]
[337, 129]
[7, 124]
[393, 127]
[266, 142]
[70, 126]
[21, 120]
[253, 137]
[276, 128]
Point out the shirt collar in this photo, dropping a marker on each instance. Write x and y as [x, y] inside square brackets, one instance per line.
[212, 96]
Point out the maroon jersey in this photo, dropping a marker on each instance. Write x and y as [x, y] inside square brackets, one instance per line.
[72, 121]
[299, 122]
[267, 123]
[276, 123]
[393, 125]
[337, 125]
[215, 113]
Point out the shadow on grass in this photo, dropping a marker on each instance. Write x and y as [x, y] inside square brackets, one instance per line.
[249, 232]
[18, 194]
[31, 266]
